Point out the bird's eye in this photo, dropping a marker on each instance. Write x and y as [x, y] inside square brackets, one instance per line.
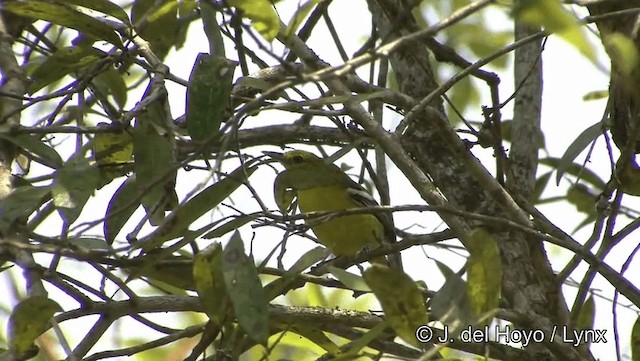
[297, 159]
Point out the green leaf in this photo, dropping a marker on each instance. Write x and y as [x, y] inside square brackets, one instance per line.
[155, 174]
[65, 15]
[161, 24]
[72, 187]
[352, 281]
[210, 284]
[20, 203]
[200, 204]
[315, 335]
[105, 7]
[299, 16]
[445, 270]
[111, 83]
[152, 151]
[245, 290]
[588, 221]
[451, 305]
[28, 320]
[208, 95]
[45, 154]
[156, 204]
[400, 298]
[484, 273]
[354, 347]
[541, 184]
[63, 62]
[578, 171]
[554, 18]
[120, 208]
[262, 14]
[276, 287]
[230, 226]
[587, 315]
[186, 8]
[212, 29]
[596, 95]
[629, 177]
[584, 200]
[579, 144]
[466, 35]
[635, 341]
[163, 271]
[90, 243]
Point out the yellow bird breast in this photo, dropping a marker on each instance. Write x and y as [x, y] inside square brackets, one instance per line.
[346, 235]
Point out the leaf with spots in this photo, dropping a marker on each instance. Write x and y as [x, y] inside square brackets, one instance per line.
[208, 95]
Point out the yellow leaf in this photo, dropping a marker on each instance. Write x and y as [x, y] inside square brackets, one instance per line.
[112, 148]
[28, 320]
[623, 53]
[262, 14]
[401, 300]
[209, 281]
[484, 274]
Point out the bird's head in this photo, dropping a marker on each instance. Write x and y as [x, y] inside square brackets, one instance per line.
[296, 159]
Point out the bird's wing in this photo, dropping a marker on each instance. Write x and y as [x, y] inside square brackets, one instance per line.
[365, 199]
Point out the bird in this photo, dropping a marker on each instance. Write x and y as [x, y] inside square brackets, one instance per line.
[320, 186]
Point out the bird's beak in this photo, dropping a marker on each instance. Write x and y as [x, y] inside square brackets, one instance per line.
[278, 157]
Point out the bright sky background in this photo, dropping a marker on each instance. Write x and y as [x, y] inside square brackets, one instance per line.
[568, 77]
